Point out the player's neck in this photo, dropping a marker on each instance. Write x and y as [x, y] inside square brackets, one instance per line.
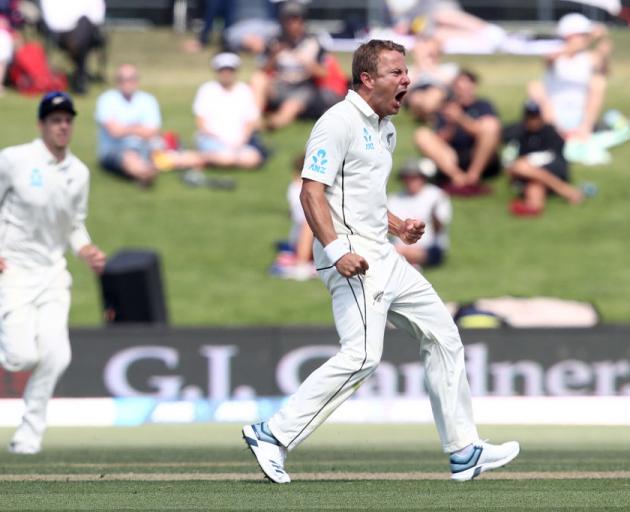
[58, 152]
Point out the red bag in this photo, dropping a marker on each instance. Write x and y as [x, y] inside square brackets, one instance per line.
[335, 79]
[30, 73]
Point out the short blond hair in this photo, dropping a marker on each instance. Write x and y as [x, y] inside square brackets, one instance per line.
[365, 58]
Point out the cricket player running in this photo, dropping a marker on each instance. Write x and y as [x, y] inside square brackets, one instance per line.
[348, 161]
[43, 205]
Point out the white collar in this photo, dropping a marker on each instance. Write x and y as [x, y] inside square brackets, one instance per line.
[49, 157]
[363, 106]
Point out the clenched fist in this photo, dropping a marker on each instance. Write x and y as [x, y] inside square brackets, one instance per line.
[351, 264]
[411, 231]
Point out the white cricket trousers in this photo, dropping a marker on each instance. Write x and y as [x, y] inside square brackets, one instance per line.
[390, 290]
[34, 306]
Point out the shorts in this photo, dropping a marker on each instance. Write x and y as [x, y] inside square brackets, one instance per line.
[558, 167]
[464, 158]
[209, 144]
[435, 256]
[111, 160]
[305, 92]
[112, 163]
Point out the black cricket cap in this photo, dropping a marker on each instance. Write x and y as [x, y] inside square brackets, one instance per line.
[54, 101]
[531, 108]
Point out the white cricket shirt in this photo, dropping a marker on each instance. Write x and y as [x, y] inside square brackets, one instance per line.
[430, 202]
[43, 205]
[350, 151]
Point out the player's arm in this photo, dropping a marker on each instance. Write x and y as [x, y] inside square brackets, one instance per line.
[317, 213]
[594, 99]
[326, 151]
[408, 230]
[5, 185]
[79, 239]
[93, 257]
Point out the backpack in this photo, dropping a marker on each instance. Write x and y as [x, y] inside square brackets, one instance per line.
[30, 73]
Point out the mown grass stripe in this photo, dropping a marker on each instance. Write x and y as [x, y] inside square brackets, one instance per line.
[311, 476]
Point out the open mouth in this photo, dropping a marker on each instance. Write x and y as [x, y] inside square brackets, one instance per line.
[399, 97]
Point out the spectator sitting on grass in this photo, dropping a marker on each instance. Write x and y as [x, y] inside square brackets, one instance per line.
[540, 166]
[430, 79]
[295, 258]
[572, 92]
[464, 140]
[286, 84]
[129, 140]
[227, 118]
[422, 200]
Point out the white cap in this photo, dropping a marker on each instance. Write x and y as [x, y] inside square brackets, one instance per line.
[574, 23]
[226, 60]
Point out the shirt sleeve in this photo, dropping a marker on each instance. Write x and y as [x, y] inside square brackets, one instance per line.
[102, 113]
[443, 209]
[152, 116]
[485, 108]
[199, 101]
[326, 149]
[79, 236]
[5, 175]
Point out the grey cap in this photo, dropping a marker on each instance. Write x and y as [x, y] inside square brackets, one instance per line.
[292, 9]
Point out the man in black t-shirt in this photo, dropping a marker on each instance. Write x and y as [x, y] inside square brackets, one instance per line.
[540, 165]
[465, 136]
[294, 61]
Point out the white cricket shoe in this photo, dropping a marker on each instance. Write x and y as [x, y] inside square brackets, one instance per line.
[24, 448]
[483, 457]
[269, 453]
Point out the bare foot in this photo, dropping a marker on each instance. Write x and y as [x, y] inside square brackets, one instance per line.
[576, 196]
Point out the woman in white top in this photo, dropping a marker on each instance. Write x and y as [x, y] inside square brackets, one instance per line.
[572, 91]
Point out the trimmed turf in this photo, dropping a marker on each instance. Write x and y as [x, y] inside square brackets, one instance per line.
[333, 450]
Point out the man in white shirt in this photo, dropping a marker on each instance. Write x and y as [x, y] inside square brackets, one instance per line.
[348, 161]
[227, 117]
[76, 27]
[422, 200]
[43, 206]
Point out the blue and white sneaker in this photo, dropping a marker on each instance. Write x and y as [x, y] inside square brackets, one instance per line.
[482, 457]
[268, 451]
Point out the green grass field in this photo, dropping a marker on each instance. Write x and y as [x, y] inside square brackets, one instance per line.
[341, 467]
[217, 246]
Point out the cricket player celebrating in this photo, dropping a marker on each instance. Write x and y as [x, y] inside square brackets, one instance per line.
[348, 161]
[43, 205]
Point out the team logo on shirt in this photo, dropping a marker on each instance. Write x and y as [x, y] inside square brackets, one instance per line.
[367, 137]
[319, 161]
[37, 178]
